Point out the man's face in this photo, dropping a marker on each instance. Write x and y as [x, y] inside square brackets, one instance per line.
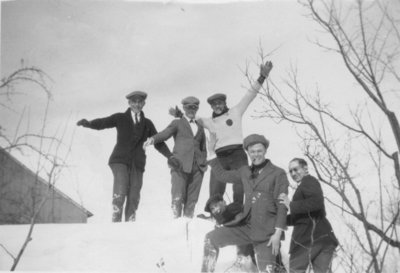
[217, 208]
[297, 172]
[136, 104]
[218, 106]
[190, 111]
[257, 153]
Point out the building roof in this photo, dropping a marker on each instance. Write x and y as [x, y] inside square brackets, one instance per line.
[47, 184]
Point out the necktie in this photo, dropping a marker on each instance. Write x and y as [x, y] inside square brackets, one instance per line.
[136, 119]
[191, 121]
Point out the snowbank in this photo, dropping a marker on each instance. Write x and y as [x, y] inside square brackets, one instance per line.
[135, 247]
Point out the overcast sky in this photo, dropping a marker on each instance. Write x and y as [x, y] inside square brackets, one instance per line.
[98, 51]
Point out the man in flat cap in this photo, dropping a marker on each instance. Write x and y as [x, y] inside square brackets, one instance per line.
[225, 127]
[128, 158]
[313, 241]
[191, 151]
[263, 219]
[226, 123]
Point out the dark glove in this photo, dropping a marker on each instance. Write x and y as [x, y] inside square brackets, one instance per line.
[174, 163]
[83, 122]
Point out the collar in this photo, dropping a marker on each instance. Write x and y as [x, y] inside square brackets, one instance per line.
[214, 115]
[258, 167]
[188, 119]
[130, 112]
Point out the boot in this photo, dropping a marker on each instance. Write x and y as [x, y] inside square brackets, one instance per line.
[176, 207]
[209, 257]
[118, 203]
[131, 218]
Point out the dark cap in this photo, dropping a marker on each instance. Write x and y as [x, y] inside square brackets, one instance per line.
[212, 200]
[254, 139]
[140, 94]
[218, 96]
[190, 101]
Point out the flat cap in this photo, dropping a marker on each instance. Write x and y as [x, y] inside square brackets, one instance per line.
[254, 139]
[140, 94]
[191, 101]
[212, 200]
[217, 96]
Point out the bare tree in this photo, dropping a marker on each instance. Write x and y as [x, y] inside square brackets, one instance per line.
[350, 151]
[50, 151]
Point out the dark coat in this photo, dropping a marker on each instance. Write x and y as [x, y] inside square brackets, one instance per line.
[262, 207]
[306, 207]
[130, 138]
[188, 148]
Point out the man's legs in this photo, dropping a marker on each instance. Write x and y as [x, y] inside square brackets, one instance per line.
[178, 190]
[135, 185]
[216, 186]
[323, 260]
[192, 191]
[235, 161]
[120, 189]
[221, 237]
[320, 256]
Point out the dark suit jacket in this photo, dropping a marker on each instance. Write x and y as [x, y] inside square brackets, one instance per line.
[188, 148]
[306, 207]
[262, 207]
[130, 138]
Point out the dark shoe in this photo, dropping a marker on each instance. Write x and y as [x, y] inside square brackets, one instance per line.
[132, 218]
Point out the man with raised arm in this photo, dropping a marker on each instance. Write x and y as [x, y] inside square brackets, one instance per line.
[128, 158]
[226, 125]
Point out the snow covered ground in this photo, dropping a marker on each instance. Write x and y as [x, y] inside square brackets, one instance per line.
[135, 247]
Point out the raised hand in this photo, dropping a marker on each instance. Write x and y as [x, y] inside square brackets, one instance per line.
[83, 122]
[265, 69]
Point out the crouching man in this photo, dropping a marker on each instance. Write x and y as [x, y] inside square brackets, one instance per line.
[263, 219]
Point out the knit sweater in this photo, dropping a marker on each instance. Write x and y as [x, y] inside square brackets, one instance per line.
[228, 127]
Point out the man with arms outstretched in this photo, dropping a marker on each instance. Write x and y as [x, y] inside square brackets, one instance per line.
[128, 158]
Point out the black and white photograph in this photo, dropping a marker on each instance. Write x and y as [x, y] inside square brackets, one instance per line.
[200, 136]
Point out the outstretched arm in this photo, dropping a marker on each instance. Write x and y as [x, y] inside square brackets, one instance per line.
[161, 146]
[252, 92]
[98, 124]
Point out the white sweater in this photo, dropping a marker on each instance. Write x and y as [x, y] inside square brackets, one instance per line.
[228, 127]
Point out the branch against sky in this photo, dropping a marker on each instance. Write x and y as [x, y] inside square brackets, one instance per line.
[349, 149]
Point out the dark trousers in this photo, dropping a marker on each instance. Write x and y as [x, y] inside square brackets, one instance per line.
[319, 256]
[128, 181]
[239, 235]
[229, 160]
[185, 191]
